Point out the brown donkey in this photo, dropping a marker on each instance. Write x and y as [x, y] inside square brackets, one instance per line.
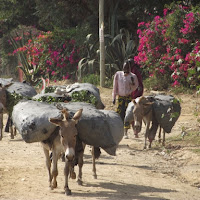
[66, 142]
[143, 111]
[3, 100]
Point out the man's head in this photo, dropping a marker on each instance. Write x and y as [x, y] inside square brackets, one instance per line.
[126, 68]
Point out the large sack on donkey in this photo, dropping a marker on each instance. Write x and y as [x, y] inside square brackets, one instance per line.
[31, 118]
[22, 89]
[99, 128]
[129, 111]
[116, 128]
[5, 81]
[166, 110]
[76, 88]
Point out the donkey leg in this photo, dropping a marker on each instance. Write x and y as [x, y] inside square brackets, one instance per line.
[1, 126]
[66, 173]
[145, 139]
[163, 143]
[146, 134]
[93, 164]
[54, 168]
[11, 132]
[12, 129]
[159, 135]
[1, 134]
[48, 165]
[150, 142]
[134, 131]
[80, 165]
[15, 131]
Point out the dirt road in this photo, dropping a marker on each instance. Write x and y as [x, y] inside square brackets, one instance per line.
[156, 174]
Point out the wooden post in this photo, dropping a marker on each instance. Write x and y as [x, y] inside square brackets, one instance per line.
[20, 74]
[101, 43]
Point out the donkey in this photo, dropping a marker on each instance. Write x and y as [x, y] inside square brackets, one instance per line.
[143, 110]
[67, 142]
[3, 100]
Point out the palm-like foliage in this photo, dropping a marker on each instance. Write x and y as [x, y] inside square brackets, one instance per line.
[119, 49]
[89, 64]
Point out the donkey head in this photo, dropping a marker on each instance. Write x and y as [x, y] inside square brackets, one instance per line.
[68, 132]
[3, 96]
[141, 109]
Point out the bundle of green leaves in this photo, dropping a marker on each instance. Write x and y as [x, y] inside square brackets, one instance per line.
[84, 96]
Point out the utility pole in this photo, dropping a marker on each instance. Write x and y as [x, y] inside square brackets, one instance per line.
[101, 43]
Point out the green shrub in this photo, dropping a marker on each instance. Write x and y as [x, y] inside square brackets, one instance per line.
[91, 78]
[154, 83]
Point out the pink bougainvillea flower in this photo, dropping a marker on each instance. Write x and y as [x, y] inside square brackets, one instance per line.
[141, 24]
[176, 83]
[173, 48]
[162, 71]
[53, 73]
[183, 41]
[165, 11]
[66, 76]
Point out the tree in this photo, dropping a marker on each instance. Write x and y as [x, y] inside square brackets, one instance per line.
[17, 12]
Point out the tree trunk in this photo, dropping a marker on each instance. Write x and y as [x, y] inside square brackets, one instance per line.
[101, 42]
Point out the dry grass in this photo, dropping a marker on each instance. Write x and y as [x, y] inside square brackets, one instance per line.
[190, 141]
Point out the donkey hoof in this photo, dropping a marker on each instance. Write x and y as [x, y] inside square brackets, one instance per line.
[73, 175]
[163, 144]
[68, 192]
[50, 187]
[54, 185]
[95, 176]
[12, 136]
[80, 182]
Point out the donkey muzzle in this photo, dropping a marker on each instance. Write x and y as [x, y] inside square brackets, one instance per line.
[69, 153]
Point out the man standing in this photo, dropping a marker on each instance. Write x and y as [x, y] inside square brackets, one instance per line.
[124, 84]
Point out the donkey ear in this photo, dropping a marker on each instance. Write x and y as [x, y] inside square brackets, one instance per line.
[56, 121]
[65, 113]
[77, 115]
[134, 102]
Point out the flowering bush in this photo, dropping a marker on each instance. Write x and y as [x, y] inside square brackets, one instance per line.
[169, 46]
[46, 55]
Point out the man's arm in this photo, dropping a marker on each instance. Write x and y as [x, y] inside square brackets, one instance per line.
[134, 82]
[115, 87]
